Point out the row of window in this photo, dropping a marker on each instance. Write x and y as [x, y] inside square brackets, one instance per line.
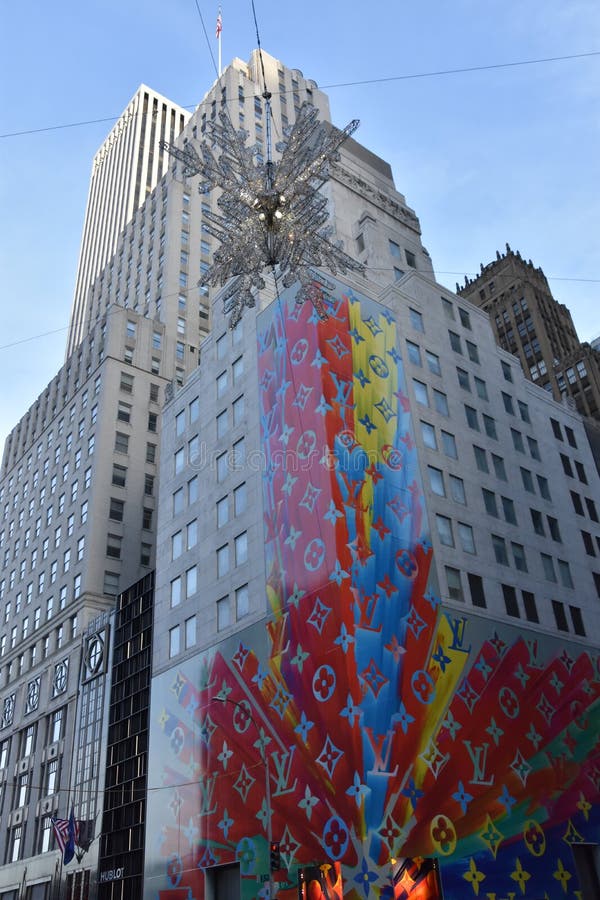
[514, 605]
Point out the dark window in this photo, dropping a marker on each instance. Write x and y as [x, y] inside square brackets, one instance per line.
[489, 500]
[472, 420]
[530, 606]
[455, 341]
[554, 529]
[559, 615]
[577, 619]
[581, 472]
[588, 543]
[477, 593]
[591, 508]
[472, 351]
[510, 601]
[508, 403]
[490, 427]
[537, 521]
[506, 371]
[556, 429]
[116, 509]
[577, 504]
[464, 318]
[570, 436]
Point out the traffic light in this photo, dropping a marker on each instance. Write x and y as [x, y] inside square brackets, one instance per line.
[275, 863]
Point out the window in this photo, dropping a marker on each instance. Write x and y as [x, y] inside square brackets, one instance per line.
[150, 453]
[433, 362]
[394, 249]
[179, 460]
[237, 369]
[499, 469]
[543, 487]
[449, 445]
[420, 390]
[147, 518]
[239, 453]
[242, 602]
[581, 472]
[176, 591]
[440, 402]
[222, 560]
[241, 548]
[194, 409]
[591, 508]
[506, 370]
[178, 501]
[534, 449]
[174, 641]
[428, 435]
[510, 601]
[416, 320]
[527, 479]
[556, 429]
[223, 613]
[190, 632]
[489, 501]
[499, 547]
[463, 379]
[481, 388]
[222, 511]
[471, 415]
[222, 424]
[489, 426]
[119, 475]
[480, 458]
[436, 481]
[448, 308]
[221, 384]
[548, 567]
[126, 383]
[564, 572]
[577, 619]
[239, 499]
[180, 423]
[517, 439]
[560, 616]
[566, 464]
[145, 554]
[457, 489]
[472, 351]
[476, 589]
[554, 529]
[191, 581]
[455, 342]
[465, 318]
[508, 403]
[111, 583]
[176, 545]
[152, 422]
[453, 580]
[192, 486]
[410, 259]
[466, 538]
[444, 529]
[524, 411]
[149, 485]
[116, 509]
[113, 546]
[121, 442]
[520, 559]
[530, 607]
[414, 353]
[537, 521]
[508, 508]
[570, 436]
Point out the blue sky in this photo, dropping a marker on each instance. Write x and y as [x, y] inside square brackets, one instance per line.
[483, 157]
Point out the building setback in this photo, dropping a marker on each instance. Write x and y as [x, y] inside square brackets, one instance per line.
[492, 457]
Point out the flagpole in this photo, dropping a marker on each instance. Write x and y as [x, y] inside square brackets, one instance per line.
[219, 30]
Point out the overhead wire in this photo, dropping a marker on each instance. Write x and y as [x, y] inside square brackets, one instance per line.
[380, 80]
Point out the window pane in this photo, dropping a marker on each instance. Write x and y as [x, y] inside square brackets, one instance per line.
[436, 480]
[444, 528]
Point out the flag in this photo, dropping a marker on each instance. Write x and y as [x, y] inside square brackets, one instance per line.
[66, 832]
[219, 28]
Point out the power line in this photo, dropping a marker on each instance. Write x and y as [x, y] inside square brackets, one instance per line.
[410, 76]
[34, 337]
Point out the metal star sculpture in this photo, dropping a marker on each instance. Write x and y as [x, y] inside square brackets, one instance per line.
[271, 213]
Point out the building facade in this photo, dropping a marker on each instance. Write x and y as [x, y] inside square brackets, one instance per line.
[539, 331]
[82, 470]
[375, 579]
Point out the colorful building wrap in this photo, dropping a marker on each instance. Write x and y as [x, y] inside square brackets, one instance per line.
[402, 741]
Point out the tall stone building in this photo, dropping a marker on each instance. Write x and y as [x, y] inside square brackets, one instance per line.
[537, 329]
[126, 169]
[82, 469]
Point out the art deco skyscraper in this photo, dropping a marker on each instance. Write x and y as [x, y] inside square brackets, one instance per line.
[126, 169]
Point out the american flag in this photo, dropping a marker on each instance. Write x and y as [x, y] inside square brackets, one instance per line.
[66, 832]
[219, 28]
